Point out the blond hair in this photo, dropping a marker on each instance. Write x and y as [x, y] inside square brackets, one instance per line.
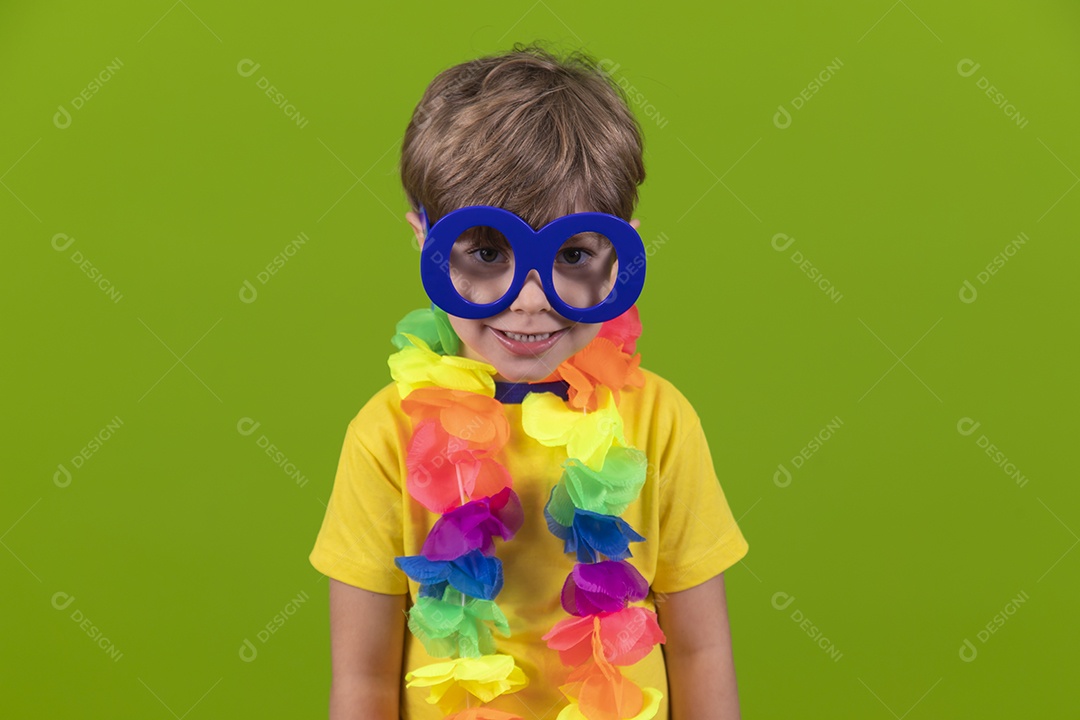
[526, 131]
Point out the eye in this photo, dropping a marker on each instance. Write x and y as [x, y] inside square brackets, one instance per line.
[575, 256]
[486, 254]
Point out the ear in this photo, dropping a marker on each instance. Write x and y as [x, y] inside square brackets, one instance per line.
[635, 223]
[417, 226]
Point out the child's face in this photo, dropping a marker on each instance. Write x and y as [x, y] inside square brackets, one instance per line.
[530, 313]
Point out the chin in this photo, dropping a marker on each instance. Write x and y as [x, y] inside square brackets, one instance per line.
[481, 344]
[525, 368]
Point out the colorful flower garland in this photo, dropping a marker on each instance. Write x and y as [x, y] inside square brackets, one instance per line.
[458, 430]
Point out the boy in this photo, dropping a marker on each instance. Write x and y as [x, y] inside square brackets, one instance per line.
[543, 138]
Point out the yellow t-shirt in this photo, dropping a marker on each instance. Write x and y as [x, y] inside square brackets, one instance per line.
[691, 535]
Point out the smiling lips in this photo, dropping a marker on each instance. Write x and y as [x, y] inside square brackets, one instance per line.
[522, 337]
[534, 335]
[527, 343]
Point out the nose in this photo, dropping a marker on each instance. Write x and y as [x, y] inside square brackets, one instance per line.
[531, 298]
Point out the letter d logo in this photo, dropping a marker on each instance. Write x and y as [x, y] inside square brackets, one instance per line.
[62, 118]
[781, 600]
[61, 600]
[782, 237]
[247, 67]
[967, 67]
[246, 426]
[782, 477]
[248, 652]
[64, 238]
[248, 293]
[966, 426]
[968, 293]
[62, 476]
[782, 118]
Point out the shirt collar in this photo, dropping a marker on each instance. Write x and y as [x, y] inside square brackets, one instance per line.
[514, 393]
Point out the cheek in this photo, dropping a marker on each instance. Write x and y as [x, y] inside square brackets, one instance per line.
[471, 332]
[584, 334]
[464, 328]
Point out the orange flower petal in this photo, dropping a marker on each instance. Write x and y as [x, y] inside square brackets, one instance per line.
[582, 393]
[473, 417]
[480, 420]
[483, 714]
[601, 690]
[602, 693]
[601, 362]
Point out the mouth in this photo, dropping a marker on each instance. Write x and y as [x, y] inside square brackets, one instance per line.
[527, 344]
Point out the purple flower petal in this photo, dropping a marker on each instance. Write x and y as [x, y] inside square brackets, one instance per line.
[473, 526]
[606, 586]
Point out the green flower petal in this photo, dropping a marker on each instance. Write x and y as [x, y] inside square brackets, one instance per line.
[448, 337]
[432, 325]
[560, 506]
[480, 610]
[448, 628]
[609, 491]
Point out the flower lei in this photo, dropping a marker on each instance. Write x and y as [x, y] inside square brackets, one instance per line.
[458, 430]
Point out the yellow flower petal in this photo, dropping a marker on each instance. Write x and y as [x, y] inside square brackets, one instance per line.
[587, 436]
[416, 366]
[486, 677]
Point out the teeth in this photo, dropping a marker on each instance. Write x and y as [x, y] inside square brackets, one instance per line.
[526, 338]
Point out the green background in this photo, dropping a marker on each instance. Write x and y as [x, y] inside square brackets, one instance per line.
[179, 180]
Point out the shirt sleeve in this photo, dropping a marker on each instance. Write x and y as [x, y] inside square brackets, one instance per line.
[361, 533]
[699, 538]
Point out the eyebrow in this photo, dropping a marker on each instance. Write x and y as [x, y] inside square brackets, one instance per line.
[492, 237]
[594, 239]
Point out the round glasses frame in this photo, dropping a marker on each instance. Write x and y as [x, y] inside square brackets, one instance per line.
[533, 250]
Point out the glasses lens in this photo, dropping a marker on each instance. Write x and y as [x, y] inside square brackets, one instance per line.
[481, 265]
[585, 270]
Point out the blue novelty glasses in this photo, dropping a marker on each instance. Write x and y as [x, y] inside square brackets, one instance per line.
[475, 260]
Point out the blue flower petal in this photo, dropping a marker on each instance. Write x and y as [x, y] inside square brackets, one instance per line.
[472, 574]
[594, 534]
[608, 535]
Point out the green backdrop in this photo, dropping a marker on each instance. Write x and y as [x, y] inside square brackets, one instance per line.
[864, 218]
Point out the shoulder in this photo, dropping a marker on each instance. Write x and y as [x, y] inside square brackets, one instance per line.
[662, 396]
[658, 409]
[380, 422]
